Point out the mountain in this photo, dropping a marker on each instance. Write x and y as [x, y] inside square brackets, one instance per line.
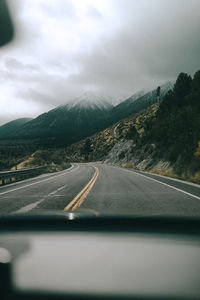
[163, 138]
[90, 100]
[81, 117]
[68, 123]
[137, 102]
[11, 127]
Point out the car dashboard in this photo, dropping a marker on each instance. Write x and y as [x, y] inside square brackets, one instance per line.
[94, 258]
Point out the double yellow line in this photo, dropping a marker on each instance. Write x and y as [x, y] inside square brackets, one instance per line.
[78, 200]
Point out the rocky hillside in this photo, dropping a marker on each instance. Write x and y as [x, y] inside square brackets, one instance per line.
[112, 145]
[101, 146]
[163, 138]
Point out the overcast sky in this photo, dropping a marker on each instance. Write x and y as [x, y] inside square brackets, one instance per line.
[114, 47]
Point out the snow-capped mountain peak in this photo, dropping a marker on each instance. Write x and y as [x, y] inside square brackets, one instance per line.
[90, 100]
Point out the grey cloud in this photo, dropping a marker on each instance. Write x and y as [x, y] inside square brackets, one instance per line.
[154, 41]
[13, 64]
[43, 98]
[49, 91]
[167, 43]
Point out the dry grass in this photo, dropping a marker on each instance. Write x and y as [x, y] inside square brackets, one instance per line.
[168, 173]
[192, 177]
[129, 166]
[23, 164]
[186, 176]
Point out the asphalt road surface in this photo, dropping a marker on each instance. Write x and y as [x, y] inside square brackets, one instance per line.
[101, 188]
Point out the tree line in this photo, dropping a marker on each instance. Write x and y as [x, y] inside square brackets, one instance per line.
[176, 128]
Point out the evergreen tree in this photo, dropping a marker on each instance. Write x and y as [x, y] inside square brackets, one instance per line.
[87, 148]
[182, 86]
[158, 93]
[131, 132]
[196, 82]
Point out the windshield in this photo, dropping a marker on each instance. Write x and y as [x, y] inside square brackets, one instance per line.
[99, 108]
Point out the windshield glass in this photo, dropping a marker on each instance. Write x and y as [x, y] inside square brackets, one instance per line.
[99, 107]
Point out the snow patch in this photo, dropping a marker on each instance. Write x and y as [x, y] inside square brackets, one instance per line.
[90, 100]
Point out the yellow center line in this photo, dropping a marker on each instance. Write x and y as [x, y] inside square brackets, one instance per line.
[77, 201]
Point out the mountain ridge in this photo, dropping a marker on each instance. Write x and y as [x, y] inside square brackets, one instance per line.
[81, 117]
[11, 126]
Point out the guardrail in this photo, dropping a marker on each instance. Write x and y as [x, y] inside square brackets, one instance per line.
[17, 175]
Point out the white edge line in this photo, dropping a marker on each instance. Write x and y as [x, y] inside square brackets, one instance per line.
[173, 179]
[170, 186]
[150, 178]
[22, 187]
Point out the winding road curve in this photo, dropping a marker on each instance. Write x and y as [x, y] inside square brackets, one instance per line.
[101, 187]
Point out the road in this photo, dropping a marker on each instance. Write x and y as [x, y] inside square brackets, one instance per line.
[101, 188]
[115, 130]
